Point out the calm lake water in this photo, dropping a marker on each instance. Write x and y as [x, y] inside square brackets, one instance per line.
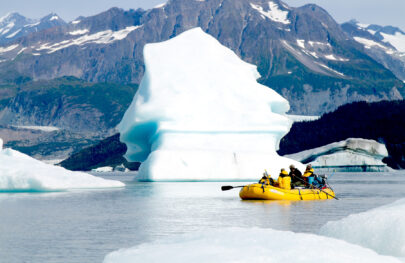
[85, 225]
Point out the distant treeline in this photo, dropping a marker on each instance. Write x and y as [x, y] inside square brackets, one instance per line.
[381, 121]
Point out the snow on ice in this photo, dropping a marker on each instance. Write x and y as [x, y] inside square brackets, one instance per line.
[381, 229]
[350, 152]
[248, 245]
[21, 173]
[199, 114]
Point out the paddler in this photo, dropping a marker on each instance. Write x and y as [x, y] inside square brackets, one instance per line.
[296, 177]
[284, 180]
[309, 174]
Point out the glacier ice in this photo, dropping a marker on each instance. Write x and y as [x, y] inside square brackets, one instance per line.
[199, 114]
[350, 152]
[248, 245]
[381, 229]
[21, 173]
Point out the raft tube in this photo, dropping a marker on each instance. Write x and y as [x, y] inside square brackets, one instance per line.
[268, 192]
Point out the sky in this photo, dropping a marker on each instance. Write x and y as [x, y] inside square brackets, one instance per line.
[387, 12]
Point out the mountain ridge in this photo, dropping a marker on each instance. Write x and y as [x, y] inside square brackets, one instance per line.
[298, 51]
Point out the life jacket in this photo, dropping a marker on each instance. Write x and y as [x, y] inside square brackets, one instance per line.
[287, 183]
[308, 173]
[265, 180]
[283, 173]
[284, 182]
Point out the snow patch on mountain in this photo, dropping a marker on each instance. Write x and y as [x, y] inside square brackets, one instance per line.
[301, 43]
[102, 37]
[274, 13]
[368, 43]
[9, 48]
[397, 40]
[79, 32]
[160, 5]
[13, 34]
[335, 58]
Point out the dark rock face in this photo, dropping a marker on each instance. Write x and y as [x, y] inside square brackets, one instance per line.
[83, 112]
[69, 103]
[305, 55]
[108, 152]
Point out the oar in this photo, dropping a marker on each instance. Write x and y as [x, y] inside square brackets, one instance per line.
[228, 187]
[316, 188]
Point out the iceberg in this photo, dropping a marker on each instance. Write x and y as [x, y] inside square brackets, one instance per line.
[248, 245]
[381, 229]
[353, 154]
[21, 173]
[199, 114]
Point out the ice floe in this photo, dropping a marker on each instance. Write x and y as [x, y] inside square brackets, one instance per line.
[21, 173]
[346, 154]
[381, 229]
[248, 245]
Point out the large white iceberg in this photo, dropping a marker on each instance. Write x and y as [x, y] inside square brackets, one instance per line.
[381, 229]
[21, 173]
[248, 245]
[199, 114]
[345, 155]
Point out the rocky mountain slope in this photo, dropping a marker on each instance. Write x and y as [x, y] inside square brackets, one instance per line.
[385, 44]
[51, 119]
[14, 26]
[300, 52]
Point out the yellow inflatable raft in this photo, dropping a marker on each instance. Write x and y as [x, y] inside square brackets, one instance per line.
[268, 192]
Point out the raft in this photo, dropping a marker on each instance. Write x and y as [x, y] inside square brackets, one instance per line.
[268, 192]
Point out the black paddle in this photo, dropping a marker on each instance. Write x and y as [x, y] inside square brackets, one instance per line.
[228, 187]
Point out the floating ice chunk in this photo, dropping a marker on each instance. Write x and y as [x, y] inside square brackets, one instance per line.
[381, 229]
[21, 173]
[248, 245]
[350, 152]
[199, 114]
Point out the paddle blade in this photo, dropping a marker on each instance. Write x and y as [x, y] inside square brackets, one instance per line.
[226, 187]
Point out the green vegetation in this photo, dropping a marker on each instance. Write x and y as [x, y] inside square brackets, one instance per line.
[381, 121]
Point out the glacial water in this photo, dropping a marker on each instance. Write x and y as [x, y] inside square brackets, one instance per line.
[85, 225]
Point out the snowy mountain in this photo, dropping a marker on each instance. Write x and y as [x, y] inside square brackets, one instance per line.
[302, 53]
[385, 44]
[14, 26]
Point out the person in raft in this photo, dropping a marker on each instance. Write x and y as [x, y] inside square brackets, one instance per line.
[296, 177]
[309, 174]
[266, 180]
[284, 180]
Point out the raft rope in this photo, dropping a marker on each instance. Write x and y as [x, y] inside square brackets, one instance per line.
[299, 192]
